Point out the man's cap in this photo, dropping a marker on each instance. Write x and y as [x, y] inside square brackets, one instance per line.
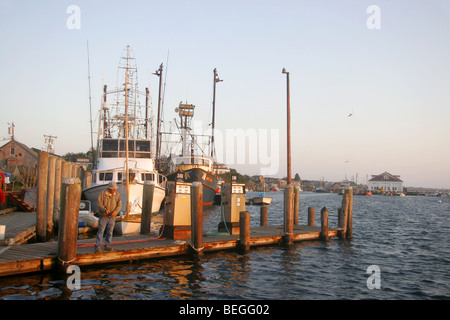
[112, 185]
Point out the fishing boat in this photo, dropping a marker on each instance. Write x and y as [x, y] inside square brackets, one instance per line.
[262, 200]
[191, 164]
[125, 150]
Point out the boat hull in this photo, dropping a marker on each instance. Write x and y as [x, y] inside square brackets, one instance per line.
[136, 190]
[262, 200]
[208, 180]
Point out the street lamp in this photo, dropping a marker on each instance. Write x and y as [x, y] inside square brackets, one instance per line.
[288, 128]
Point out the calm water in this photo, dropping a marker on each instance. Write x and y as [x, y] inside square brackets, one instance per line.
[406, 237]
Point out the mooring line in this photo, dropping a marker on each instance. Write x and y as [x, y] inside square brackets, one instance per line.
[4, 249]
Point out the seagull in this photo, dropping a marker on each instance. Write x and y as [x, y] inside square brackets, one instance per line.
[351, 113]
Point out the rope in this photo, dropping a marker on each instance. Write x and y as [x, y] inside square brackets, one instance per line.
[196, 249]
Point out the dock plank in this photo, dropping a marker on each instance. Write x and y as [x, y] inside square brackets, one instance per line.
[37, 257]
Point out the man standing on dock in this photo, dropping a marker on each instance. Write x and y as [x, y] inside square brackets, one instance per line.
[109, 205]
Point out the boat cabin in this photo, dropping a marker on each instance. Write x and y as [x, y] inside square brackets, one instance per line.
[184, 163]
[118, 175]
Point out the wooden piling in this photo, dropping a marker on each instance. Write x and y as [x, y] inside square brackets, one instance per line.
[343, 217]
[296, 203]
[58, 182]
[244, 231]
[288, 214]
[41, 196]
[68, 224]
[147, 201]
[65, 169]
[263, 216]
[324, 224]
[50, 196]
[349, 234]
[197, 217]
[311, 216]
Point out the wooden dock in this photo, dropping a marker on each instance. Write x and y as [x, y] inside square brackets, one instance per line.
[52, 255]
[40, 257]
[20, 227]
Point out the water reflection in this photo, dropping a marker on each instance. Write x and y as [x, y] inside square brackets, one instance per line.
[406, 237]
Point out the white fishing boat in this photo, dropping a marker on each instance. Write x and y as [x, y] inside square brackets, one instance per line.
[124, 150]
[262, 200]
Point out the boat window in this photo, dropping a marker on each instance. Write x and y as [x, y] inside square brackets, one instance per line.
[130, 145]
[148, 176]
[105, 176]
[143, 146]
[119, 176]
[110, 145]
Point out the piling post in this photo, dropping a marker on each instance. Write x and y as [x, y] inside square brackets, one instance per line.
[263, 216]
[324, 224]
[42, 177]
[147, 202]
[68, 225]
[50, 196]
[343, 217]
[57, 198]
[197, 218]
[65, 169]
[288, 214]
[296, 203]
[311, 216]
[74, 173]
[244, 231]
[349, 234]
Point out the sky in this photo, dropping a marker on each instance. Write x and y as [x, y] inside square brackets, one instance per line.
[386, 62]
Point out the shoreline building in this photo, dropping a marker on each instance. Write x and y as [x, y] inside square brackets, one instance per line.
[385, 182]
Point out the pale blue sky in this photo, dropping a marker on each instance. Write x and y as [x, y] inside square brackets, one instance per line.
[395, 78]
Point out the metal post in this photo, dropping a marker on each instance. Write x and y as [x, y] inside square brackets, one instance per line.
[216, 79]
[288, 128]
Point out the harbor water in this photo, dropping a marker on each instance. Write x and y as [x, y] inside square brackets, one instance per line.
[404, 239]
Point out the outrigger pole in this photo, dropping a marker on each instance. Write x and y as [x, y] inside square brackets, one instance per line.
[216, 79]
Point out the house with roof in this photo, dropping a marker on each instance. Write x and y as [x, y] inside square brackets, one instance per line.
[16, 153]
[385, 182]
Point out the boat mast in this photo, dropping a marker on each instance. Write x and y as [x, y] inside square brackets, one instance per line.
[147, 93]
[158, 128]
[126, 131]
[216, 79]
[90, 105]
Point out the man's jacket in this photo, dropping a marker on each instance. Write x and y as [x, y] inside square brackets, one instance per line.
[110, 202]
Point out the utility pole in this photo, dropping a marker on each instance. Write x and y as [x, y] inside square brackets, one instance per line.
[49, 140]
[288, 128]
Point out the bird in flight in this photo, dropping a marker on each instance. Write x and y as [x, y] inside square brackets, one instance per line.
[351, 113]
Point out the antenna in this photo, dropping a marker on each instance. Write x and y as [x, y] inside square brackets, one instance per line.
[49, 140]
[11, 130]
[90, 106]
